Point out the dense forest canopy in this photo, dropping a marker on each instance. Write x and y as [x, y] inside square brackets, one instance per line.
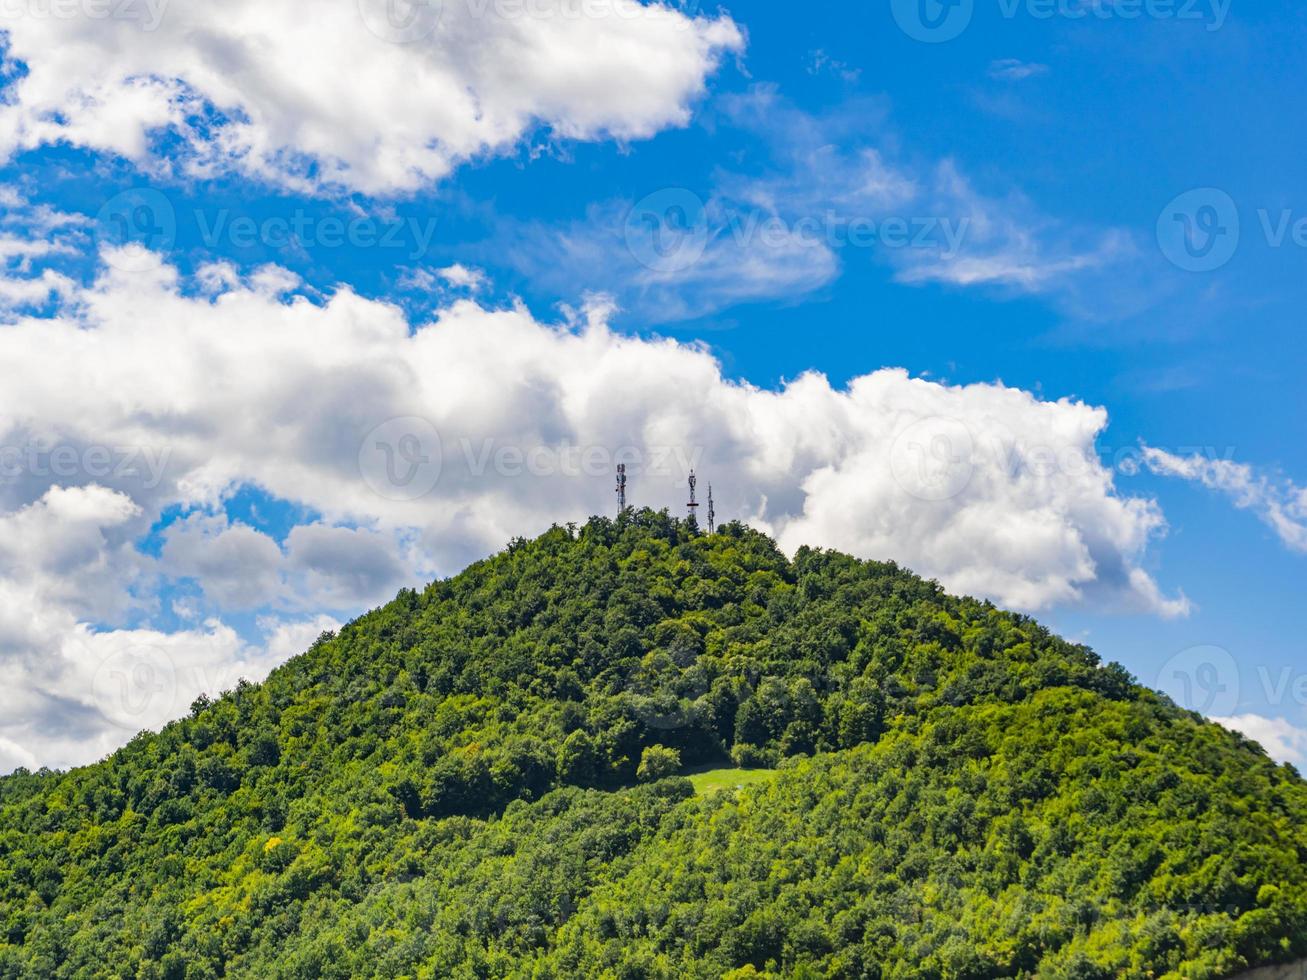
[485, 778]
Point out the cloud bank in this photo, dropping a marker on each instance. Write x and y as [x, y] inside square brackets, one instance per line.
[414, 448]
[373, 96]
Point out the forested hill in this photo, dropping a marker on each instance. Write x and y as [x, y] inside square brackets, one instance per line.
[483, 779]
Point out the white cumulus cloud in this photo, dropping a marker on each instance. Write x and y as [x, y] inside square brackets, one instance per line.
[70, 693]
[369, 95]
[418, 447]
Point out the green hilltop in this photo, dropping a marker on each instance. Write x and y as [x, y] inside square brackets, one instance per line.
[488, 778]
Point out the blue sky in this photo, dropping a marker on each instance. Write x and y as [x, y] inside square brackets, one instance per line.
[999, 200]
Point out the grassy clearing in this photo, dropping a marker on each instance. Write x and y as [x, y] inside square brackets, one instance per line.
[716, 780]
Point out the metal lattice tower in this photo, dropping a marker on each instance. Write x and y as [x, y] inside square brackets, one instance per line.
[692, 505]
[712, 514]
[621, 488]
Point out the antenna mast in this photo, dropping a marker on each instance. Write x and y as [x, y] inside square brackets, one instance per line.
[712, 514]
[621, 488]
[692, 505]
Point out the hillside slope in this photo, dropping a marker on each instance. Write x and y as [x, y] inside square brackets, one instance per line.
[451, 786]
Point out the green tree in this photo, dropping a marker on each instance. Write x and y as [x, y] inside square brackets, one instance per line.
[658, 762]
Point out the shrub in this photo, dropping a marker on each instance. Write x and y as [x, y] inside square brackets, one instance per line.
[658, 762]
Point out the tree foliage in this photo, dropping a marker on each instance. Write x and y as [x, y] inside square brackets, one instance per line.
[470, 782]
[658, 762]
